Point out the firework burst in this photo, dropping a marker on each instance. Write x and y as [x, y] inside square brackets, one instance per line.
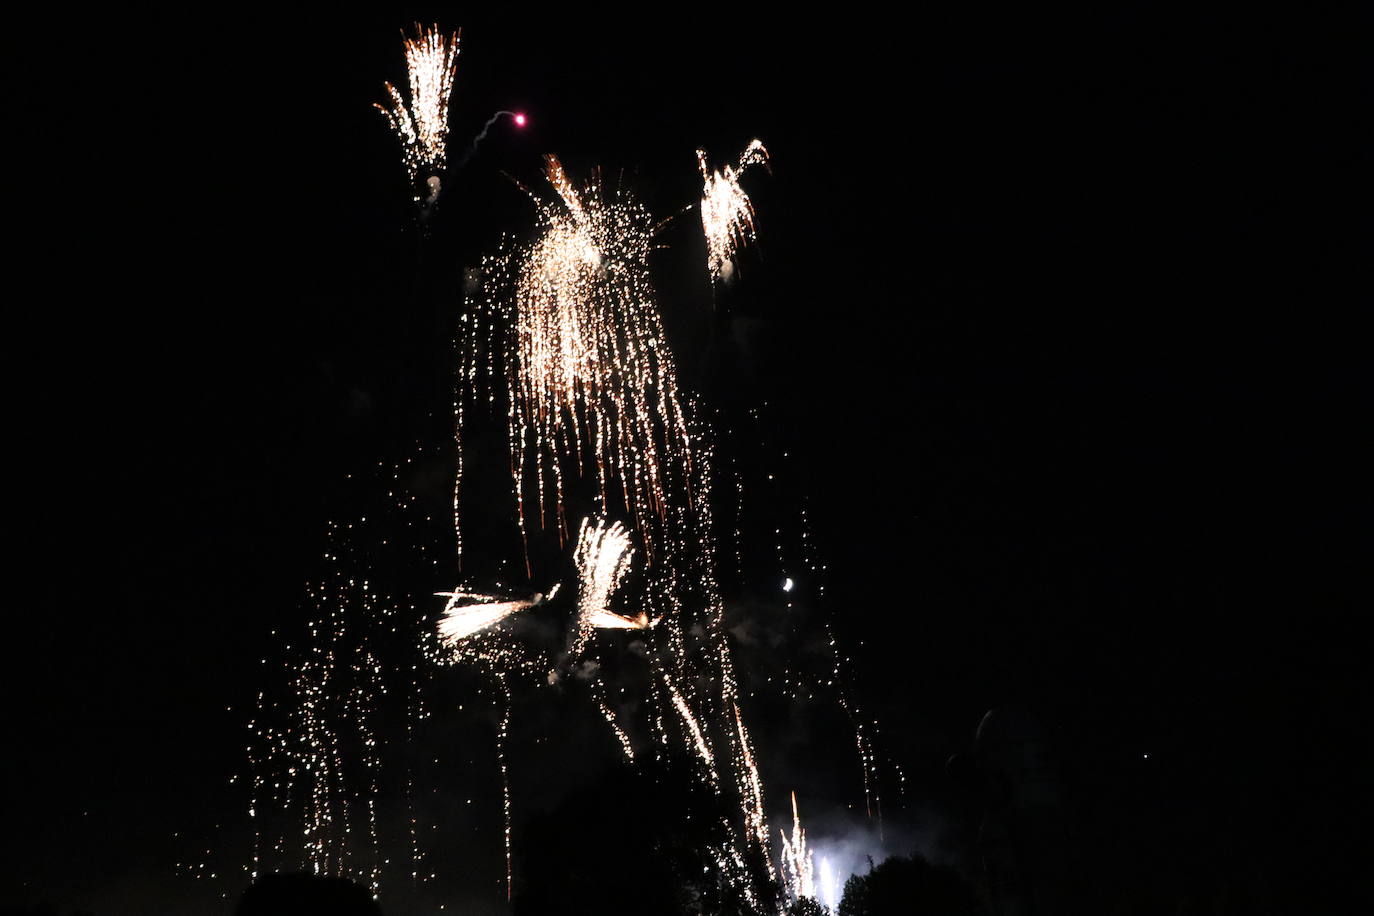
[470, 612]
[603, 557]
[591, 377]
[421, 125]
[727, 213]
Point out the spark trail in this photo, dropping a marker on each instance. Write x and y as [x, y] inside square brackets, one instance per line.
[469, 612]
[591, 380]
[515, 116]
[799, 875]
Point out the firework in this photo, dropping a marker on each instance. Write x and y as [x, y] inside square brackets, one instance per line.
[591, 378]
[727, 213]
[598, 691]
[603, 557]
[469, 612]
[693, 726]
[422, 124]
[797, 868]
[830, 886]
[604, 620]
[565, 345]
[751, 789]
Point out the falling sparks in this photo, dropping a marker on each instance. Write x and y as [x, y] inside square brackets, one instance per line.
[689, 720]
[592, 380]
[422, 124]
[605, 620]
[727, 213]
[753, 788]
[316, 759]
[567, 341]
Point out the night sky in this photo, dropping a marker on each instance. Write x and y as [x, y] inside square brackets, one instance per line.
[1050, 312]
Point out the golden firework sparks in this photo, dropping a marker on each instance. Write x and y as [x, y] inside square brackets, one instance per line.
[598, 690]
[797, 869]
[422, 124]
[689, 720]
[592, 380]
[830, 886]
[603, 555]
[727, 213]
[470, 612]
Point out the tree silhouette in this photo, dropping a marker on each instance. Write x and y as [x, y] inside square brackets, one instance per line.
[306, 895]
[907, 884]
[634, 841]
[807, 906]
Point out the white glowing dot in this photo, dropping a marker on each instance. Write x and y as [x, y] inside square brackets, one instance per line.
[787, 585]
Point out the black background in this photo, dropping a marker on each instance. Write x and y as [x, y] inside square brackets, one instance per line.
[1053, 308]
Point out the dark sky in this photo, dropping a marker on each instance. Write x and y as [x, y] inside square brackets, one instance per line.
[1052, 312]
